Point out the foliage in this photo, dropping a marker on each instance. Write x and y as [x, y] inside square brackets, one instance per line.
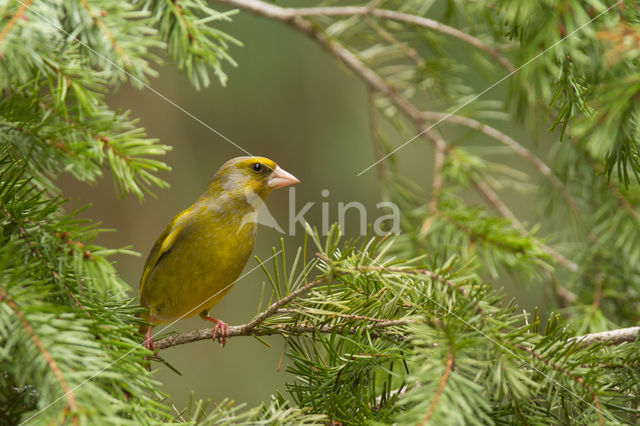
[404, 329]
[409, 341]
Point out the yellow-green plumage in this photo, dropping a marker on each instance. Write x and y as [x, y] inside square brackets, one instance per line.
[203, 250]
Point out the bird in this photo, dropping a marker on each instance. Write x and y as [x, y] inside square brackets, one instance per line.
[200, 254]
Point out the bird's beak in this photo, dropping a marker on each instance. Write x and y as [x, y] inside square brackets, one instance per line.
[280, 178]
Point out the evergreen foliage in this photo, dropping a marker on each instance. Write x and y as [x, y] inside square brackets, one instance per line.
[407, 329]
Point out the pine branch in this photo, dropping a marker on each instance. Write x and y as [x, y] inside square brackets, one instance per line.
[436, 188]
[492, 198]
[5, 30]
[107, 32]
[443, 382]
[370, 78]
[611, 337]
[291, 14]
[375, 328]
[513, 145]
[53, 365]
[567, 373]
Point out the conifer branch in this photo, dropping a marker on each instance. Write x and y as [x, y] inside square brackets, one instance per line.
[436, 187]
[569, 374]
[9, 25]
[370, 78]
[443, 382]
[53, 365]
[381, 167]
[107, 32]
[393, 40]
[611, 337]
[376, 329]
[291, 14]
[510, 142]
[623, 201]
[492, 198]
[37, 250]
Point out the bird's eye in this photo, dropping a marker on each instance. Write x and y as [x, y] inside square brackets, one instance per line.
[256, 167]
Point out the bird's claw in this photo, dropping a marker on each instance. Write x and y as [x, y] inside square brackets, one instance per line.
[221, 326]
[224, 332]
[148, 341]
[149, 344]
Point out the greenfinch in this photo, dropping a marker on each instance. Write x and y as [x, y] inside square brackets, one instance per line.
[203, 250]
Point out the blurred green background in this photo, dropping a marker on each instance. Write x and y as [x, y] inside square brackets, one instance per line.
[287, 100]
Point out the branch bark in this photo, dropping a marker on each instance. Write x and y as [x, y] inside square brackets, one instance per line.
[609, 338]
[376, 327]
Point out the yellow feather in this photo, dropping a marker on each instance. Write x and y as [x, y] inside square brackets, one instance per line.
[162, 245]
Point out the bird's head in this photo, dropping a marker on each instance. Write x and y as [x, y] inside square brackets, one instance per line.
[243, 177]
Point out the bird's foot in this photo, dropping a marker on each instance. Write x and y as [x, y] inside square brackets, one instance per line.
[148, 341]
[220, 327]
[151, 345]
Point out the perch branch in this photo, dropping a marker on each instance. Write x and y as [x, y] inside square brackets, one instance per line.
[279, 329]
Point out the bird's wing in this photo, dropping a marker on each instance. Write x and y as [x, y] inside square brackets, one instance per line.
[163, 244]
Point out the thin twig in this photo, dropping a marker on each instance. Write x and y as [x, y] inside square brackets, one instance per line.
[100, 24]
[436, 188]
[387, 36]
[513, 145]
[14, 19]
[286, 14]
[375, 135]
[443, 381]
[53, 365]
[492, 198]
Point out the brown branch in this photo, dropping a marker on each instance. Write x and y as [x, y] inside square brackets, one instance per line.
[100, 24]
[609, 338]
[252, 328]
[14, 19]
[289, 14]
[280, 303]
[564, 296]
[53, 366]
[376, 327]
[443, 381]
